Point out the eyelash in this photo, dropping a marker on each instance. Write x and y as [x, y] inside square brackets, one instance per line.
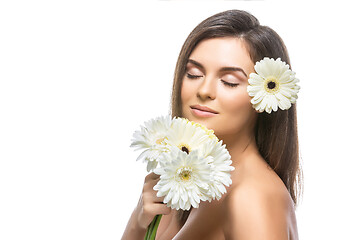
[229, 84]
[224, 82]
[193, 76]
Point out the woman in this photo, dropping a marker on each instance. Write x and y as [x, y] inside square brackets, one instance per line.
[211, 87]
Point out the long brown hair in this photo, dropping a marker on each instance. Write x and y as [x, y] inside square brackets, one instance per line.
[276, 133]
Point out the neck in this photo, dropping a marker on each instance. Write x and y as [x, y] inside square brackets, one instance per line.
[240, 147]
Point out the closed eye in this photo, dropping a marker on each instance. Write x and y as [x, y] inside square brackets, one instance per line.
[191, 76]
[229, 84]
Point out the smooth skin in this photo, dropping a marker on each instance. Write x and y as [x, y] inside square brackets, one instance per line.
[257, 205]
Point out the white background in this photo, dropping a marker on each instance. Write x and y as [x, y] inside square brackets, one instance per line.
[77, 78]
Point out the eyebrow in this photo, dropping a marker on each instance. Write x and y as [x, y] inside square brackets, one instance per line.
[223, 69]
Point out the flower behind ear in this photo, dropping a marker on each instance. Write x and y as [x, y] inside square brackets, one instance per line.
[273, 86]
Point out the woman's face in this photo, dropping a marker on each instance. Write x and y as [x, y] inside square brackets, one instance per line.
[214, 87]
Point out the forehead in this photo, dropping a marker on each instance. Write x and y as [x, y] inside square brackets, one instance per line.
[223, 52]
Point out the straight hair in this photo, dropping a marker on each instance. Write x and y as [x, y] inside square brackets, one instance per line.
[276, 133]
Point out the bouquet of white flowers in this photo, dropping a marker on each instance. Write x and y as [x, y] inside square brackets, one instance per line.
[192, 163]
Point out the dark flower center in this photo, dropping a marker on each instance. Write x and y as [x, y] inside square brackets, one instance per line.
[271, 85]
[184, 149]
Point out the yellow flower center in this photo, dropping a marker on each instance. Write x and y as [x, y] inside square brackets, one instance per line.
[272, 84]
[184, 147]
[160, 140]
[184, 174]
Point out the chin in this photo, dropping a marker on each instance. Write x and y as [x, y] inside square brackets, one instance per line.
[203, 121]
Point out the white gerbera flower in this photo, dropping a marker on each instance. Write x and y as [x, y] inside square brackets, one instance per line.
[273, 85]
[184, 179]
[220, 161]
[151, 139]
[188, 136]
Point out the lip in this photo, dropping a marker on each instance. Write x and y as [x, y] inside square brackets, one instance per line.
[203, 111]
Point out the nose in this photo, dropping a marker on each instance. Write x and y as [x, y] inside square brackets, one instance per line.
[207, 89]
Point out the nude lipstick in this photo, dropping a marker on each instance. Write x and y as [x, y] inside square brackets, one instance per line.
[203, 111]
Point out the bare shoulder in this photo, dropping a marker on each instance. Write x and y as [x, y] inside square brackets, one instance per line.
[259, 207]
[256, 206]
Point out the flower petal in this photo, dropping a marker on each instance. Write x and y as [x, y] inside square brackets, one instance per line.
[281, 97]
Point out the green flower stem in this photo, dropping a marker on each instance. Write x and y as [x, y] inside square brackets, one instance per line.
[157, 222]
[147, 233]
[152, 229]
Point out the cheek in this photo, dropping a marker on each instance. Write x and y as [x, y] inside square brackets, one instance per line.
[188, 90]
[185, 93]
[238, 109]
[237, 101]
